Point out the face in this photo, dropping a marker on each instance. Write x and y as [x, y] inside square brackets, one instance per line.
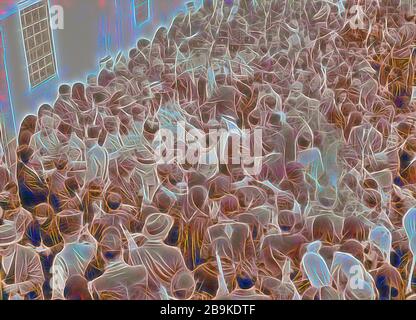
[226, 11]
[128, 121]
[315, 83]
[219, 50]
[342, 97]
[128, 166]
[41, 220]
[139, 70]
[297, 88]
[158, 68]
[5, 250]
[111, 125]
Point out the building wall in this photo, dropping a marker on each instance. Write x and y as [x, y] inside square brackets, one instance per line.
[7, 123]
[92, 29]
[6, 112]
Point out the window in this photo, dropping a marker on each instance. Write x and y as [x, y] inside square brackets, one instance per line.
[38, 43]
[141, 11]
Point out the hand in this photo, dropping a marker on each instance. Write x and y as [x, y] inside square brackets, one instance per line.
[43, 250]
[11, 289]
[90, 288]
[47, 251]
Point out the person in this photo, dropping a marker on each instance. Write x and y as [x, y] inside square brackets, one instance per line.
[64, 107]
[317, 272]
[160, 260]
[76, 288]
[245, 290]
[233, 244]
[56, 181]
[115, 217]
[33, 189]
[112, 143]
[70, 197]
[97, 157]
[42, 234]
[119, 281]
[21, 273]
[5, 177]
[78, 251]
[333, 103]
[46, 141]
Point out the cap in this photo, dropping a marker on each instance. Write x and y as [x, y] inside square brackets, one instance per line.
[157, 226]
[70, 221]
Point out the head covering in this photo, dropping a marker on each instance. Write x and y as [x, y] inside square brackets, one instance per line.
[12, 231]
[8, 234]
[9, 199]
[76, 288]
[70, 222]
[126, 102]
[157, 226]
[114, 200]
[111, 239]
[24, 153]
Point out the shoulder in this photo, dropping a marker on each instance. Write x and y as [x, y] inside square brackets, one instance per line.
[26, 251]
[141, 270]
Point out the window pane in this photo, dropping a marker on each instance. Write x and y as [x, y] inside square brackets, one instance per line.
[38, 44]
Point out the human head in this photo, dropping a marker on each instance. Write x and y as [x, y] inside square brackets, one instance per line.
[111, 244]
[25, 153]
[93, 133]
[61, 163]
[71, 184]
[9, 200]
[246, 279]
[65, 91]
[13, 229]
[70, 224]
[95, 188]
[76, 288]
[113, 201]
[157, 226]
[43, 212]
[65, 128]
[183, 285]
[111, 124]
[45, 110]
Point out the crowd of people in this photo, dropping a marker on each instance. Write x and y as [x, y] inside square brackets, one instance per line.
[91, 214]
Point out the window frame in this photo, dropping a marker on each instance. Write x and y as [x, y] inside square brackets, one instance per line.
[49, 43]
[135, 8]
